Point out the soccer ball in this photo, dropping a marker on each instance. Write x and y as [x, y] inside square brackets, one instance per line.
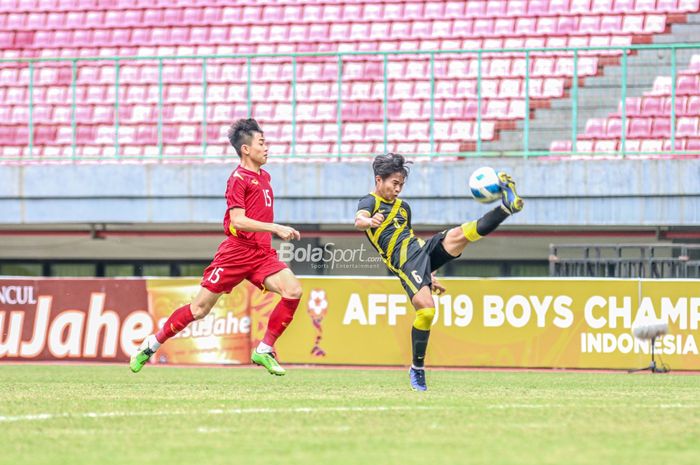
[484, 185]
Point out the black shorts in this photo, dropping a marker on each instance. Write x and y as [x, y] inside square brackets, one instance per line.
[416, 272]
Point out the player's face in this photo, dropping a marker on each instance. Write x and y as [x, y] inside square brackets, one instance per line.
[391, 187]
[257, 149]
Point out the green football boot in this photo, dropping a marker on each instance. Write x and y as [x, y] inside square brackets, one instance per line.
[139, 359]
[269, 362]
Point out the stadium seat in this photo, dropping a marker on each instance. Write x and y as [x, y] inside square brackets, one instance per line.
[595, 128]
[640, 128]
[195, 27]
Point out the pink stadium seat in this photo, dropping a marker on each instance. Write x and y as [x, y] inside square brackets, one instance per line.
[681, 105]
[595, 128]
[688, 5]
[687, 85]
[566, 25]
[611, 24]
[693, 144]
[525, 26]
[496, 109]
[589, 24]
[496, 9]
[640, 128]
[483, 27]
[601, 6]
[651, 146]
[208, 26]
[645, 5]
[680, 144]
[614, 128]
[667, 5]
[560, 146]
[537, 7]
[634, 24]
[547, 25]
[693, 106]
[661, 127]
[504, 27]
[652, 106]
[687, 127]
[655, 24]
[584, 146]
[559, 6]
[516, 8]
[543, 67]
[605, 146]
[633, 106]
[419, 29]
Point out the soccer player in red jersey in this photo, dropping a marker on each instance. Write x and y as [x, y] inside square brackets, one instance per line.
[245, 254]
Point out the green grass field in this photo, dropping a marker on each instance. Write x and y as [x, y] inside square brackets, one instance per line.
[59, 414]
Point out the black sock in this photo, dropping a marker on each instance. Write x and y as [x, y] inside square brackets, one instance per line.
[420, 345]
[490, 221]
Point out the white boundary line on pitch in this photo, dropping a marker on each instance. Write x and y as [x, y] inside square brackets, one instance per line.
[232, 411]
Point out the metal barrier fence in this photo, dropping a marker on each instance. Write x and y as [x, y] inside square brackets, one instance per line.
[625, 260]
[462, 103]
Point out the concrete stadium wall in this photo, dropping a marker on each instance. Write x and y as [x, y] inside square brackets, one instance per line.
[586, 193]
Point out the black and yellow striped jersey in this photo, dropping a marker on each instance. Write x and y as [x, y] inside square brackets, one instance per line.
[394, 238]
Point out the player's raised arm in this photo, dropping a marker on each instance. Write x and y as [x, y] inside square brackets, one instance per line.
[242, 223]
[363, 220]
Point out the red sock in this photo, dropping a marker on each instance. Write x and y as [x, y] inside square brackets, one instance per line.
[279, 319]
[176, 323]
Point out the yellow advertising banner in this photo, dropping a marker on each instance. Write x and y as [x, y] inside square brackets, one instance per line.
[497, 323]
[528, 323]
[222, 337]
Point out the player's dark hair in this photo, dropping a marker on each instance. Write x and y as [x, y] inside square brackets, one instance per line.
[390, 163]
[241, 132]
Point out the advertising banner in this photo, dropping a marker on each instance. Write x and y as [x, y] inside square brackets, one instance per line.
[497, 323]
[223, 336]
[72, 319]
[479, 322]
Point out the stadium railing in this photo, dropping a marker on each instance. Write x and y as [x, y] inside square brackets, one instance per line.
[677, 261]
[668, 141]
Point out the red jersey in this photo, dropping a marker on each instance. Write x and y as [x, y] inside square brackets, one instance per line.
[251, 191]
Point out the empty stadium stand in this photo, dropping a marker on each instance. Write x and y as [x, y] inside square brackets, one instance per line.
[104, 29]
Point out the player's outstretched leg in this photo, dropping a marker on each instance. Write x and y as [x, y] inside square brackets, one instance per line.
[147, 348]
[511, 200]
[175, 323]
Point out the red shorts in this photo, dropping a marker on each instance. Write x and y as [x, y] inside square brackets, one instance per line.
[235, 262]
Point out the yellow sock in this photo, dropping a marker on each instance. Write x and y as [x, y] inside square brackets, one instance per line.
[424, 318]
[469, 231]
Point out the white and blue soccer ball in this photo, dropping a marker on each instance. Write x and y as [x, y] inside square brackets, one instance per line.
[484, 185]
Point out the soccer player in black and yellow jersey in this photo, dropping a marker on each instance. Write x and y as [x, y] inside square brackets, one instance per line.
[386, 220]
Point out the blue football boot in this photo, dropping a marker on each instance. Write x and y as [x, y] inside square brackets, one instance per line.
[511, 200]
[417, 377]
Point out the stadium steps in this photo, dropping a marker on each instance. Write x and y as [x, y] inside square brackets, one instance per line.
[600, 96]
